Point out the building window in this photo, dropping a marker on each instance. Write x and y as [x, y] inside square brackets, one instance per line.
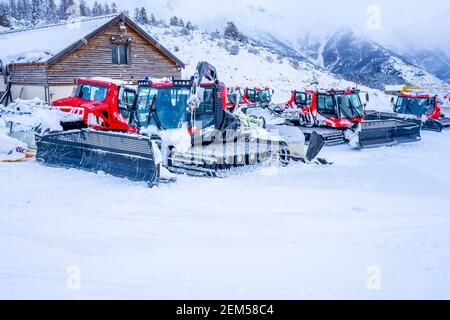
[119, 53]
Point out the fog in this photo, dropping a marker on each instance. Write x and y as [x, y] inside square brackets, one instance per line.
[397, 23]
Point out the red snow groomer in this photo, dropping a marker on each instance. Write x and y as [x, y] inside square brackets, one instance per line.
[221, 136]
[421, 106]
[341, 116]
[98, 103]
[252, 97]
[197, 129]
[327, 108]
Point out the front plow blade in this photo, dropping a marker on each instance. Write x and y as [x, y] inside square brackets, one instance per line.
[316, 144]
[376, 133]
[121, 155]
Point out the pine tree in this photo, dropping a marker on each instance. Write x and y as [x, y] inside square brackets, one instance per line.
[174, 21]
[23, 10]
[82, 6]
[36, 11]
[190, 26]
[114, 8]
[61, 10]
[231, 32]
[106, 8]
[13, 8]
[4, 11]
[51, 12]
[19, 10]
[136, 15]
[143, 17]
[97, 9]
[153, 20]
[181, 23]
[87, 11]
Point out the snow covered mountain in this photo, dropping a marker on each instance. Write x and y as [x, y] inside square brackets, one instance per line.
[361, 60]
[433, 61]
[262, 62]
[350, 53]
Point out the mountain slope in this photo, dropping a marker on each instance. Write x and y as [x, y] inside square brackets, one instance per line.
[433, 61]
[250, 64]
[358, 59]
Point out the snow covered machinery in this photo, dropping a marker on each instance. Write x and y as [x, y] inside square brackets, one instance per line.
[252, 97]
[5, 97]
[338, 115]
[189, 126]
[96, 108]
[98, 103]
[426, 107]
[201, 130]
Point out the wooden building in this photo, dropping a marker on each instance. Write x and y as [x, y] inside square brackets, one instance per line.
[45, 61]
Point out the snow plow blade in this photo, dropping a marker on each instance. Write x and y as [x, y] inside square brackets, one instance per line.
[376, 133]
[428, 125]
[316, 144]
[118, 154]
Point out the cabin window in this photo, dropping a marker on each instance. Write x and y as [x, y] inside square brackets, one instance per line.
[126, 101]
[325, 106]
[205, 114]
[119, 53]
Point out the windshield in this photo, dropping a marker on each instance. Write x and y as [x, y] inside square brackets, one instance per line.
[232, 98]
[170, 105]
[91, 92]
[264, 96]
[415, 106]
[251, 95]
[302, 99]
[351, 106]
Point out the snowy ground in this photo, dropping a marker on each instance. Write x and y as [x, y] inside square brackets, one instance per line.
[374, 225]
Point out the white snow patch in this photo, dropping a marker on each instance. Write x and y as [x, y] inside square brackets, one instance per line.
[42, 43]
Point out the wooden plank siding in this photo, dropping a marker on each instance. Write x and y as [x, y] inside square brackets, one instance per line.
[95, 59]
[33, 74]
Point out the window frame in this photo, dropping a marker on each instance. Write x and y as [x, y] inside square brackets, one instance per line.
[116, 53]
[323, 109]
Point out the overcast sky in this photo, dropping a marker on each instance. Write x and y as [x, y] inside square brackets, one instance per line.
[420, 23]
[417, 22]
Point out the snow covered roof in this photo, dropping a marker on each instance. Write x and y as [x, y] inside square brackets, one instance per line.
[47, 44]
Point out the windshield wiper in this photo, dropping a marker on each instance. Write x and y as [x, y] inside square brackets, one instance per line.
[408, 108]
[152, 113]
[353, 108]
[343, 111]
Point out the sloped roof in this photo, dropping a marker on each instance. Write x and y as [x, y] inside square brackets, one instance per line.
[48, 44]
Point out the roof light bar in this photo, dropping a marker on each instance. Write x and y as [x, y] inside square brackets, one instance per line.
[182, 83]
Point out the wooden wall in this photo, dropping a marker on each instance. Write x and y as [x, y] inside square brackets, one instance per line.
[94, 59]
[33, 74]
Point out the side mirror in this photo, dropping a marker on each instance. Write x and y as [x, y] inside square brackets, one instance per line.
[392, 100]
[273, 91]
[367, 97]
